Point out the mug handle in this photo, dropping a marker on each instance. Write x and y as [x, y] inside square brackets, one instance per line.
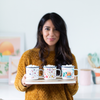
[60, 72]
[41, 75]
[77, 70]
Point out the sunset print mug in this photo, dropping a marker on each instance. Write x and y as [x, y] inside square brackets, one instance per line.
[68, 71]
[32, 72]
[50, 72]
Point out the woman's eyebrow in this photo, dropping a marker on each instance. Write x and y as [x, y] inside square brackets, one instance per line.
[47, 26]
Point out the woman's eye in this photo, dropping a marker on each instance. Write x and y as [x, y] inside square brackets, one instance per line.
[47, 29]
[55, 29]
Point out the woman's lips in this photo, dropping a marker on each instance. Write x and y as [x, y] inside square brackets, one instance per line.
[51, 39]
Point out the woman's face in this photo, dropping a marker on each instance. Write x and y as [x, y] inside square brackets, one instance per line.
[50, 34]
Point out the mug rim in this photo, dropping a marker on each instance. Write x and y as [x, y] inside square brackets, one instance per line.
[68, 67]
[49, 66]
[32, 67]
[64, 66]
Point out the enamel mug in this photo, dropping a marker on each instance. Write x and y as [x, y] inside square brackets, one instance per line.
[32, 72]
[85, 76]
[68, 71]
[50, 72]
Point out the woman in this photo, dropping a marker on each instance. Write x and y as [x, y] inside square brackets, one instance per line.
[52, 48]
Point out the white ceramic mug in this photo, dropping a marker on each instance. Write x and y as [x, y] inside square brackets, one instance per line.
[32, 72]
[50, 72]
[68, 71]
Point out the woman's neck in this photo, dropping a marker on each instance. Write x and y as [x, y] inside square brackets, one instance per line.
[52, 48]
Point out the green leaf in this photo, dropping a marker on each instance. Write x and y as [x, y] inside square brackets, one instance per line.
[0, 71]
[64, 74]
[0, 54]
[17, 51]
[6, 67]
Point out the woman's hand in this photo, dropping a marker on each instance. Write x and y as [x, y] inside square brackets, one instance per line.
[76, 79]
[23, 81]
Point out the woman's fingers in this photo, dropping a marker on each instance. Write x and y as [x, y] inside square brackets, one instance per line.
[24, 76]
[23, 81]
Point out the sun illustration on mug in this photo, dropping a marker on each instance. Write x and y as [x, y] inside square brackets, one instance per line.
[66, 74]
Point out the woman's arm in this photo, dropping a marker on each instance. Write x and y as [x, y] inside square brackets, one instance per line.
[73, 88]
[20, 73]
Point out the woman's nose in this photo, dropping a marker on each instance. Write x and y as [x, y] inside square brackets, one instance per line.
[51, 32]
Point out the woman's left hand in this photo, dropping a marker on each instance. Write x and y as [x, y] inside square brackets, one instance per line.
[75, 80]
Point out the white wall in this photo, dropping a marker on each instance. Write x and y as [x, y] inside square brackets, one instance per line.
[82, 18]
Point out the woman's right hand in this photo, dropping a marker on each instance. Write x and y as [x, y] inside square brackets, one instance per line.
[23, 81]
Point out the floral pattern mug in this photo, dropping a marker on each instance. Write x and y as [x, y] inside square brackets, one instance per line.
[50, 72]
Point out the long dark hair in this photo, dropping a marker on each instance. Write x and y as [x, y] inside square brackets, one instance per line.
[63, 53]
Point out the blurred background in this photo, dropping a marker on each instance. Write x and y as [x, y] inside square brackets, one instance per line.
[81, 16]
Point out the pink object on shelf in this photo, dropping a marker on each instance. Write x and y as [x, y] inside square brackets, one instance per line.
[85, 76]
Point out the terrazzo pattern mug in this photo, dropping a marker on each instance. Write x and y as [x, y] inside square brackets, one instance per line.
[32, 72]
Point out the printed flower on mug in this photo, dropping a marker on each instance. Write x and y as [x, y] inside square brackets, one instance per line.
[51, 71]
[46, 76]
[52, 76]
[44, 73]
